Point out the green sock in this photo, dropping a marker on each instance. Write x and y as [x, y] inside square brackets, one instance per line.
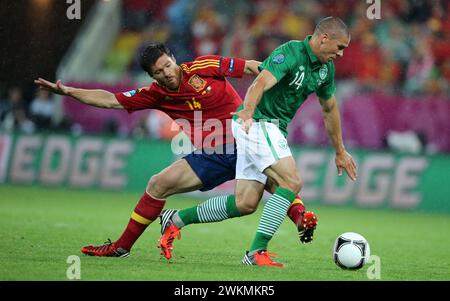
[215, 209]
[273, 215]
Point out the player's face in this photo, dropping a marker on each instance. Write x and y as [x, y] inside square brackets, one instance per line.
[166, 72]
[332, 48]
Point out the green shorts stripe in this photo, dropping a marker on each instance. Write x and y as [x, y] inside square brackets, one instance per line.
[266, 134]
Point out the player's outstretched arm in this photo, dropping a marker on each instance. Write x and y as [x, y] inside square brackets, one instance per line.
[96, 98]
[333, 125]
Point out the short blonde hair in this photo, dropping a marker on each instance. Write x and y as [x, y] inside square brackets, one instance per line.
[333, 26]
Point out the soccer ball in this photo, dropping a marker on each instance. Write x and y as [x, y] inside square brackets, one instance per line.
[351, 251]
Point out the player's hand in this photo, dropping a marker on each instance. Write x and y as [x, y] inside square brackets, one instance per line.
[57, 88]
[345, 161]
[244, 118]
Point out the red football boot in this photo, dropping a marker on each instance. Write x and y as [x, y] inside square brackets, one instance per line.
[109, 249]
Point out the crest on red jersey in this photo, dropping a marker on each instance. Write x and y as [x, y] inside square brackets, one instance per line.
[197, 82]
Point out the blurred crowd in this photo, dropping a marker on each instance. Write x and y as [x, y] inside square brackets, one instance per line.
[19, 114]
[405, 52]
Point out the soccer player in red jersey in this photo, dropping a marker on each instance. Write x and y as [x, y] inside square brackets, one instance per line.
[182, 92]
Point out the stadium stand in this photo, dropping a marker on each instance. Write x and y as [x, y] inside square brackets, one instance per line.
[405, 56]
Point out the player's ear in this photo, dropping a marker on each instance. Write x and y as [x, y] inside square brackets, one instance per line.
[324, 38]
[174, 59]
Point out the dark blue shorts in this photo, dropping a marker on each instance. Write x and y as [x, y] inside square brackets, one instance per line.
[213, 169]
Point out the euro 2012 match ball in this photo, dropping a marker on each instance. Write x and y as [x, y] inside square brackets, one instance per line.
[351, 251]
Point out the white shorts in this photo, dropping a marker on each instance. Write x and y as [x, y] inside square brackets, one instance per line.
[260, 148]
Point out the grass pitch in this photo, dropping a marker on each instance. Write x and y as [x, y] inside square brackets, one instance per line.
[41, 227]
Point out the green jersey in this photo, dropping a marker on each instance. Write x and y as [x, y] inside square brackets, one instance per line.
[299, 73]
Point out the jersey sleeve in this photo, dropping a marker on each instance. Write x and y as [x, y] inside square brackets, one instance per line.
[279, 63]
[329, 88]
[136, 100]
[216, 66]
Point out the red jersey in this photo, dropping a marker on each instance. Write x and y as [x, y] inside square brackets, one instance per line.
[202, 103]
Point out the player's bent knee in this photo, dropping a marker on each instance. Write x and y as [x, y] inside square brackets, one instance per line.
[157, 188]
[246, 209]
[247, 203]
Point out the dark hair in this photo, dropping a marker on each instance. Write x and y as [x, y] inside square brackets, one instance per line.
[332, 26]
[151, 54]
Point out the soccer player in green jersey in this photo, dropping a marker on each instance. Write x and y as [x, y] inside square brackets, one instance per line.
[292, 72]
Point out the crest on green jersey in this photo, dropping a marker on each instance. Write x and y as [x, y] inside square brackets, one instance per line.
[323, 72]
[278, 59]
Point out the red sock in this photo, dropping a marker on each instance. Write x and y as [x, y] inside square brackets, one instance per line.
[296, 210]
[146, 211]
